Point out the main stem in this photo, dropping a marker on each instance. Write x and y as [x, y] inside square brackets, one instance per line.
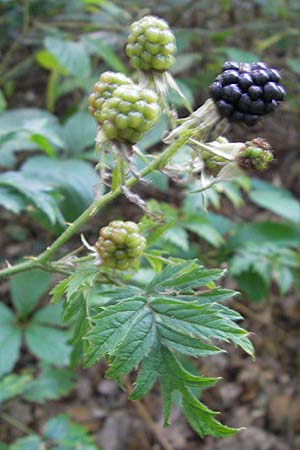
[93, 209]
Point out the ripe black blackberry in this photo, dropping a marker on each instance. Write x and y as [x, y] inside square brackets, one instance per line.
[243, 92]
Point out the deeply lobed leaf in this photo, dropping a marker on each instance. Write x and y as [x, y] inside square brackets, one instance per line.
[177, 313]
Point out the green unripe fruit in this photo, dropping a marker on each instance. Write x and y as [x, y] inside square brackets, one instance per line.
[257, 155]
[151, 45]
[120, 245]
[103, 90]
[129, 113]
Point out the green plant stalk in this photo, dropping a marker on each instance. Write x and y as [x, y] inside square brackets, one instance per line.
[51, 90]
[16, 423]
[97, 205]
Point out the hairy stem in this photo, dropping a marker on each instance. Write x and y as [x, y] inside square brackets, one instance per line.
[97, 205]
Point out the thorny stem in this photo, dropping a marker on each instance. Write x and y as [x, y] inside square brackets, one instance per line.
[97, 205]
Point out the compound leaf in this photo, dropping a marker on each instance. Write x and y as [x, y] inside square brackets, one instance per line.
[28, 443]
[12, 385]
[146, 329]
[10, 339]
[68, 435]
[27, 289]
[50, 385]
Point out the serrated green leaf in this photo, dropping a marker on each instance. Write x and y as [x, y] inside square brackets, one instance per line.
[27, 289]
[177, 236]
[183, 343]
[51, 384]
[48, 61]
[34, 191]
[48, 315]
[111, 325]
[74, 179]
[28, 443]
[215, 295]
[253, 285]
[71, 55]
[183, 276]
[191, 319]
[48, 344]
[162, 364]
[139, 339]
[154, 260]
[13, 385]
[79, 133]
[59, 290]
[11, 201]
[202, 419]
[10, 339]
[147, 327]
[61, 430]
[106, 53]
[277, 200]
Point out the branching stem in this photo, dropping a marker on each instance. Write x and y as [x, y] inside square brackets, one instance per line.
[97, 205]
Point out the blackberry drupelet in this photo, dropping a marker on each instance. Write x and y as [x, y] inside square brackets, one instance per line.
[151, 45]
[129, 113]
[120, 245]
[103, 90]
[244, 92]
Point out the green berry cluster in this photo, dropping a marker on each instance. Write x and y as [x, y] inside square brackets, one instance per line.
[120, 245]
[103, 90]
[129, 113]
[256, 155]
[151, 45]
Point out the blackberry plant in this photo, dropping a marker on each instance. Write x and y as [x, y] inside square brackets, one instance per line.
[129, 113]
[243, 92]
[120, 245]
[103, 90]
[151, 45]
[145, 329]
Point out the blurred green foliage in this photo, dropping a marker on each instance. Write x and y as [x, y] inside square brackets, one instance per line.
[51, 54]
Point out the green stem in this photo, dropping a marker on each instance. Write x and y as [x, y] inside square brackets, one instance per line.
[51, 90]
[93, 209]
[16, 423]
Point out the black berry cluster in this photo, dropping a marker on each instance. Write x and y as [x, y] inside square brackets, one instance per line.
[243, 92]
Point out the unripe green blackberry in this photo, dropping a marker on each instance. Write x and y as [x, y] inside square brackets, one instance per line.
[257, 155]
[103, 89]
[213, 163]
[120, 245]
[129, 113]
[151, 45]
